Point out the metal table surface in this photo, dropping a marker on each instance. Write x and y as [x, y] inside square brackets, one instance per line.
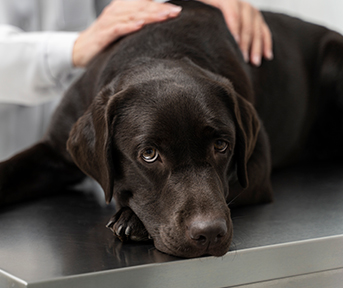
[62, 242]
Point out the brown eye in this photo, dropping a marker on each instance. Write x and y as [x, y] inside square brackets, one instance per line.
[150, 155]
[220, 145]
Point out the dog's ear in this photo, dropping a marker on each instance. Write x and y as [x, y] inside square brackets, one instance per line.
[331, 63]
[91, 142]
[247, 130]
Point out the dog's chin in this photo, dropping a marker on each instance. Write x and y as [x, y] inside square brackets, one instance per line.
[185, 250]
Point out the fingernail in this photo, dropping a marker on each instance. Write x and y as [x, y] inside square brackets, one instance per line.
[140, 23]
[256, 60]
[174, 11]
[270, 55]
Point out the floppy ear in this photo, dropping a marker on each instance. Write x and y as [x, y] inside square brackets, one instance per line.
[331, 63]
[247, 129]
[91, 141]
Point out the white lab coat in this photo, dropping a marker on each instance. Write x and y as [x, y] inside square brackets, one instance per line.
[36, 41]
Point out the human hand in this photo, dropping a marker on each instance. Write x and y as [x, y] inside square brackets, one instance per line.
[248, 27]
[118, 19]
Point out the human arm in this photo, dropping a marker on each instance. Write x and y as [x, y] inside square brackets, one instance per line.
[35, 66]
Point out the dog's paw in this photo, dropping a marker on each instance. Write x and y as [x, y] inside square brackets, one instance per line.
[127, 226]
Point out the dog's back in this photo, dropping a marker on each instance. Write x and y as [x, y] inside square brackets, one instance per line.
[298, 93]
[285, 91]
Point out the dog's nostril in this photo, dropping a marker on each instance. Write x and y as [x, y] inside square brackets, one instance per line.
[206, 232]
[200, 238]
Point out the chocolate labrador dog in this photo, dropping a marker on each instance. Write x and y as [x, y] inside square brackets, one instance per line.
[176, 126]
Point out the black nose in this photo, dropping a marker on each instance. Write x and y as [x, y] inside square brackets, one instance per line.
[207, 232]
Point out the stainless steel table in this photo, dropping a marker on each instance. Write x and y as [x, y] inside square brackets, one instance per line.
[295, 242]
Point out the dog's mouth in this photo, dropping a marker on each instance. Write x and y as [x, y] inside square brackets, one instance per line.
[202, 239]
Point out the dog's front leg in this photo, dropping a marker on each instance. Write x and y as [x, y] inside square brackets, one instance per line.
[36, 172]
[126, 226]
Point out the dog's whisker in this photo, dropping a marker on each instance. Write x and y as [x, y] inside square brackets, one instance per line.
[232, 200]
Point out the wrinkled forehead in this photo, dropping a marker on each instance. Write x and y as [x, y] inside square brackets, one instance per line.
[164, 111]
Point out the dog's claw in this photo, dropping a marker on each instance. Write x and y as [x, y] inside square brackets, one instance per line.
[127, 231]
[119, 230]
[110, 225]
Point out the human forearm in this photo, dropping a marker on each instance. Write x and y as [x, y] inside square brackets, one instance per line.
[35, 67]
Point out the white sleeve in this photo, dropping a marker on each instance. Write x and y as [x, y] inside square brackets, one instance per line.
[35, 67]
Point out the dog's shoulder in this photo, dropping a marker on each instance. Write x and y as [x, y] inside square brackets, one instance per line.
[288, 30]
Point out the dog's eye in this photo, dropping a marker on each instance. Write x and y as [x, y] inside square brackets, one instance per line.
[220, 145]
[150, 155]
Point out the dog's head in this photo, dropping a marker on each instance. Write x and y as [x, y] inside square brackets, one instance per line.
[166, 145]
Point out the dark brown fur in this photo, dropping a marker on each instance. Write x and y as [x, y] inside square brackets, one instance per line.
[178, 86]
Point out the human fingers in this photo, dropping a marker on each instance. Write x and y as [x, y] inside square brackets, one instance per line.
[127, 16]
[232, 16]
[142, 10]
[154, 13]
[246, 33]
[256, 44]
[267, 42]
[122, 28]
